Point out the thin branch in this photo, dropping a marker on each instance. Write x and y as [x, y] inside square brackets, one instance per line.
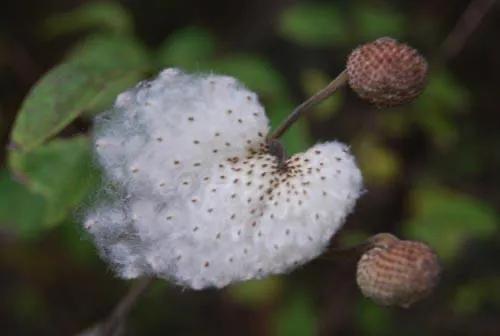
[114, 324]
[347, 252]
[468, 22]
[326, 92]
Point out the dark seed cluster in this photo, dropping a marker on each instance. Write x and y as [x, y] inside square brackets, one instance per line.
[386, 72]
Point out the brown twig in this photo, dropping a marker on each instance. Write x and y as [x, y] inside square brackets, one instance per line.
[326, 92]
[113, 325]
[468, 22]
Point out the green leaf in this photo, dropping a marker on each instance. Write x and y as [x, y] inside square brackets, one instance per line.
[373, 22]
[256, 293]
[297, 317]
[314, 24]
[378, 163]
[372, 319]
[446, 220]
[21, 210]
[61, 171]
[255, 72]
[94, 73]
[477, 294]
[105, 16]
[435, 109]
[190, 48]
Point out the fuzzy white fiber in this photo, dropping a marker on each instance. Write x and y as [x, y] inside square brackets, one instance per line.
[192, 195]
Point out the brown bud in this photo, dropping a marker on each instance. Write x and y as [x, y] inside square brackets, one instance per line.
[397, 272]
[386, 73]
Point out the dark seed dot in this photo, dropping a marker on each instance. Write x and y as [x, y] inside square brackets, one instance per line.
[210, 210]
[196, 142]
[240, 121]
[206, 264]
[215, 151]
[195, 229]
[159, 139]
[217, 134]
[233, 216]
[169, 217]
[218, 236]
[229, 111]
[191, 119]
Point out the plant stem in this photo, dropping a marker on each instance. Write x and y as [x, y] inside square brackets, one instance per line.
[468, 22]
[124, 307]
[349, 251]
[326, 92]
[113, 325]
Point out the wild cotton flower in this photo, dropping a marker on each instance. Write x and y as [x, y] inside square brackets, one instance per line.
[192, 194]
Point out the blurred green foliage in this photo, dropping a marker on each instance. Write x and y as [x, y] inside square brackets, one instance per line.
[297, 317]
[92, 16]
[447, 219]
[50, 172]
[314, 24]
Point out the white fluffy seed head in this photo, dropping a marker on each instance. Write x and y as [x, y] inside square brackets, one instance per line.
[192, 195]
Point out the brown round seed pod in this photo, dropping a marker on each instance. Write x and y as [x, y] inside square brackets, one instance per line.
[386, 72]
[397, 272]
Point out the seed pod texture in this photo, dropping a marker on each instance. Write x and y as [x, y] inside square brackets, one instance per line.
[397, 272]
[387, 73]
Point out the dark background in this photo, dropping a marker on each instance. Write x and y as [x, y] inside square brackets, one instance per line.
[431, 168]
